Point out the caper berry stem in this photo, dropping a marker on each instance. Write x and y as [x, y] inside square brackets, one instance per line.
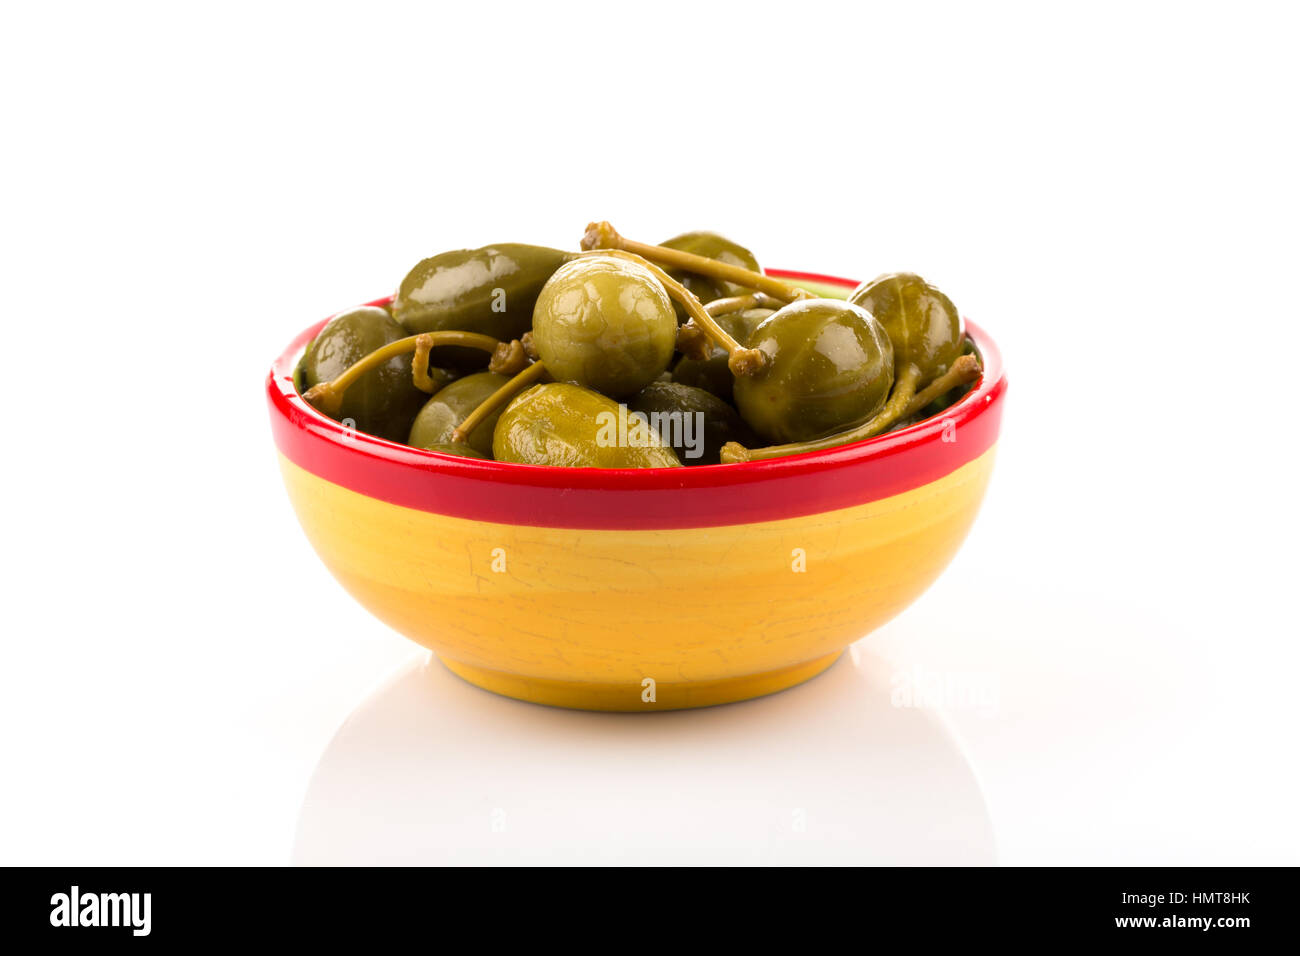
[509, 358]
[420, 365]
[692, 342]
[742, 361]
[695, 343]
[904, 390]
[966, 369]
[533, 373]
[739, 303]
[328, 396]
[602, 235]
[529, 346]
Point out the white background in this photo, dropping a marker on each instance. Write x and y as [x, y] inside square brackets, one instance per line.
[1109, 190]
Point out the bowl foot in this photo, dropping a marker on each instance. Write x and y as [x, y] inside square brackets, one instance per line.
[632, 696]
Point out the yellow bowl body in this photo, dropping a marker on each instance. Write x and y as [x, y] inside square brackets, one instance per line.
[616, 619]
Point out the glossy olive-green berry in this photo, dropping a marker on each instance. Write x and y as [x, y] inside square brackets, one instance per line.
[381, 402]
[711, 246]
[459, 449]
[830, 366]
[450, 406]
[606, 324]
[568, 426]
[491, 290]
[712, 373]
[696, 423]
[922, 323]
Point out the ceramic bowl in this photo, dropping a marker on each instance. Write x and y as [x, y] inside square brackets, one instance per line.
[639, 590]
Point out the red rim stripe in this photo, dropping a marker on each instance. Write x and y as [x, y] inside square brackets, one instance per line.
[700, 496]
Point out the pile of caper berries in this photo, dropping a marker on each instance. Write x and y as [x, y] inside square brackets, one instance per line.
[630, 355]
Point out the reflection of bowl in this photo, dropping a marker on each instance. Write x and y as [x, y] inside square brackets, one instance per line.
[645, 589]
[832, 773]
